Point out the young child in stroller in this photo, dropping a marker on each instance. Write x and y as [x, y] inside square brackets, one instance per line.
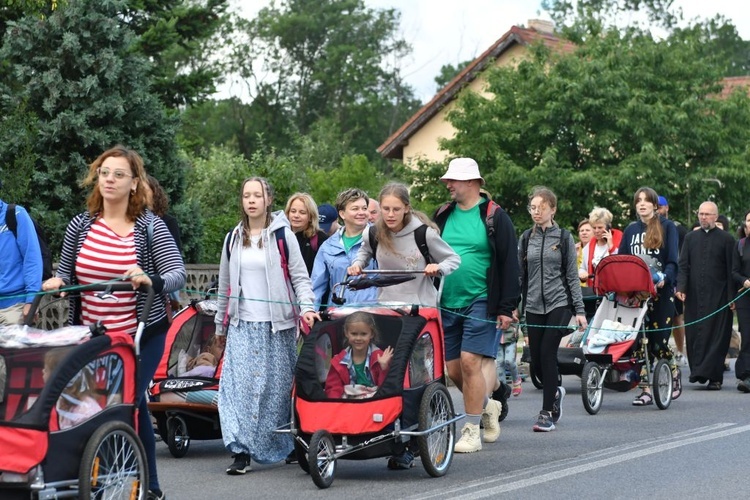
[76, 403]
[358, 370]
[202, 365]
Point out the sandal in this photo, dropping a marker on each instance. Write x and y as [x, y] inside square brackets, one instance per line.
[517, 388]
[676, 384]
[644, 399]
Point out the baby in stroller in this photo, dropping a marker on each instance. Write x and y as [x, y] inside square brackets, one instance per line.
[77, 402]
[358, 370]
[202, 365]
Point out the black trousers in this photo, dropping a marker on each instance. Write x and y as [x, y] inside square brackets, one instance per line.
[742, 365]
[543, 344]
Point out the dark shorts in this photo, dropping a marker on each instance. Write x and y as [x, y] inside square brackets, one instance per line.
[468, 329]
[679, 307]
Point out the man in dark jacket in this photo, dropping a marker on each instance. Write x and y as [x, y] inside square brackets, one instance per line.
[478, 298]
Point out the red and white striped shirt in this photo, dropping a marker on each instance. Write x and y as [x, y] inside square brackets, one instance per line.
[105, 256]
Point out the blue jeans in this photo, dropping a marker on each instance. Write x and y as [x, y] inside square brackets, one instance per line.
[506, 360]
[151, 352]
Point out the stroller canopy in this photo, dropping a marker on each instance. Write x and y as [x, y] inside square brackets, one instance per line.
[624, 274]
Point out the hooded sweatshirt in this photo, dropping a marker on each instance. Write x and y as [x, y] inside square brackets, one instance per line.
[287, 298]
[406, 256]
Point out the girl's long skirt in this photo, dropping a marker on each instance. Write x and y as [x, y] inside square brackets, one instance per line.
[255, 390]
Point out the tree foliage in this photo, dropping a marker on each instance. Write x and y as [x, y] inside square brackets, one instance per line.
[75, 88]
[334, 59]
[183, 39]
[448, 72]
[622, 111]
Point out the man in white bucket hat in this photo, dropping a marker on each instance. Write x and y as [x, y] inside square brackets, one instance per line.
[478, 298]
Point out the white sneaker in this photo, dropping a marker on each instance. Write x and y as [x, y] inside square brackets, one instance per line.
[470, 441]
[491, 420]
[680, 359]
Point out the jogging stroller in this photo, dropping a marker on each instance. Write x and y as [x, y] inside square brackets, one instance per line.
[411, 405]
[67, 410]
[186, 383]
[615, 343]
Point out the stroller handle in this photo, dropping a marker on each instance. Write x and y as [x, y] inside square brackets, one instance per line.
[106, 288]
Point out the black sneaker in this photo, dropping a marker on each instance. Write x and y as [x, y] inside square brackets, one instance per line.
[402, 461]
[502, 393]
[744, 385]
[240, 465]
[155, 495]
[557, 404]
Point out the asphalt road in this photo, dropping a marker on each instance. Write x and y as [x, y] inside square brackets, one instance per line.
[698, 448]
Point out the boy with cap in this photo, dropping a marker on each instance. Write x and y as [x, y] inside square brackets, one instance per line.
[479, 298]
[328, 218]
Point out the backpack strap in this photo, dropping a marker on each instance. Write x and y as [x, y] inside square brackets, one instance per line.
[314, 242]
[420, 237]
[10, 219]
[524, 258]
[740, 245]
[372, 239]
[280, 235]
[489, 219]
[442, 208]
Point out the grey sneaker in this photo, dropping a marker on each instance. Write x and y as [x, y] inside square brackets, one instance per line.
[557, 404]
[744, 385]
[544, 422]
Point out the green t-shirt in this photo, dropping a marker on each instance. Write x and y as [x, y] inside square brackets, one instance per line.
[361, 374]
[465, 233]
[350, 241]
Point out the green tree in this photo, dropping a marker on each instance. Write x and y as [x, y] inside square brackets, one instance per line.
[329, 59]
[183, 39]
[622, 111]
[77, 84]
[448, 72]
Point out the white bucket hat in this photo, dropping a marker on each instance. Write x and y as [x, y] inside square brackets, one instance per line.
[462, 169]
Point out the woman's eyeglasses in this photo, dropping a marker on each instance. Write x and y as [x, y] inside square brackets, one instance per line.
[119, 174]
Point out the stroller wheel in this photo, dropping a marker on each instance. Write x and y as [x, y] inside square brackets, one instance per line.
[113, 464]
[321, 459]
[662, 383]
[178, 439]
[591, 387]
[436, 448]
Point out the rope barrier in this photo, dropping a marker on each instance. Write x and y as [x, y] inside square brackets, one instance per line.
[190, 291]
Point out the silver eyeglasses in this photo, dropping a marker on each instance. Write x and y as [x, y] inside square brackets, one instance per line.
[119, 174]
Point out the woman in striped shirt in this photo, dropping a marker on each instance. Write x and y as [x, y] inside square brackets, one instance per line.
[118, 237]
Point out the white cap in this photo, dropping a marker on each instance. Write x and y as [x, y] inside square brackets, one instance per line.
[462, 169]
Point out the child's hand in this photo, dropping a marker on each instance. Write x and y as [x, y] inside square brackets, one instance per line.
[385, 358]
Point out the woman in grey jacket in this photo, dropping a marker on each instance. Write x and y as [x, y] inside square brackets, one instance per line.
[552, 293]
[262, 311]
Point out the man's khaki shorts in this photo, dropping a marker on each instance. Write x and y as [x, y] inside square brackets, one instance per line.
[12, 315]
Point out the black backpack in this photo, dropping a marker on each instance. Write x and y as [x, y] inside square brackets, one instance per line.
[420, 237]
[10, 221]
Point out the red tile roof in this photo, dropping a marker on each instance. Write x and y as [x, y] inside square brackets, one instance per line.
[730, 83]
[393, 146]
